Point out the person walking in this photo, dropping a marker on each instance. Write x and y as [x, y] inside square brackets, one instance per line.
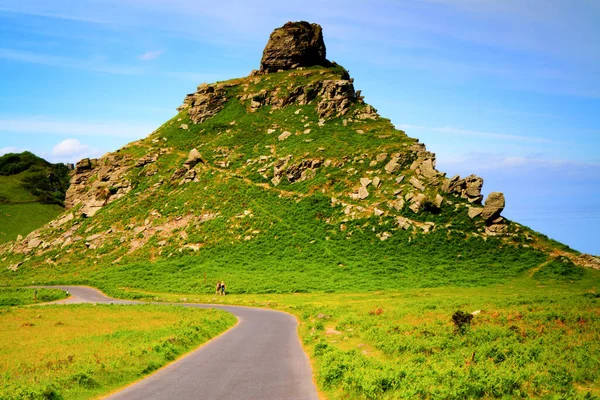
[218, 292]
[222, 288]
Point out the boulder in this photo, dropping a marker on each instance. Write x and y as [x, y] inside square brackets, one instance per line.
[474, 212]
[363, 193]
[295, 44]
[437, 202]
[365, 182]
[84, 164]
[403, 223]
[392, 166]
[494, 204]
[284, 135]
[416, 183]
[194, 158]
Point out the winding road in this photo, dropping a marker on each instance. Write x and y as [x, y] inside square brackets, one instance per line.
[260, 358]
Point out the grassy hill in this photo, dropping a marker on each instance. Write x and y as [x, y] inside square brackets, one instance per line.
[32, 193]
[293, 190]
[273, 201]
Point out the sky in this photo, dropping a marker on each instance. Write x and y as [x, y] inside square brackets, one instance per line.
[508, 90]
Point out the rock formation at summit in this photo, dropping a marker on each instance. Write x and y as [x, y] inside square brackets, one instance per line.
[295, 44]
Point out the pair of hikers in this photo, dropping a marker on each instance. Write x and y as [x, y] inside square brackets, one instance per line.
[220, 288]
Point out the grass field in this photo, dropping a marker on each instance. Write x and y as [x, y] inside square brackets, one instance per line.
[20, 219]
[531, 339]
[81, 351]
[24, 296]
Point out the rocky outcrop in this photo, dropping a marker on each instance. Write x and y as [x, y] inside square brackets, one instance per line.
[335, 97]
[304, 170]
[468, 188]
[295, 44]
[109, 183]
[205, 103]
[301, 171]
[194, 158]
[494, 204]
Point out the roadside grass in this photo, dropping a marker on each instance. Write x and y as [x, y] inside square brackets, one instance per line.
[82, 351]
[530, 340]
[20, 219]
[24, 296]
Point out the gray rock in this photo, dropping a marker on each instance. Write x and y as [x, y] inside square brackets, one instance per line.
[363, 193]
[194, 158]
[474, 212]
[416, 183]
[295, 44]
[365, 182]
[376, 182]
[494, 205]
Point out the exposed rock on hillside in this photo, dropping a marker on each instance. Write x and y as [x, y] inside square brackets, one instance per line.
[468, 188]
[335, 97]
[107, 185]
[494, 204]
[205, 103]
[295, 44]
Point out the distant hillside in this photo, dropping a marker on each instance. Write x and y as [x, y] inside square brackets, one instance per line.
[32, 193]
[283, 181]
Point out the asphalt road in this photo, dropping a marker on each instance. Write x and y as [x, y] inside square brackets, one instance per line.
[260, 358]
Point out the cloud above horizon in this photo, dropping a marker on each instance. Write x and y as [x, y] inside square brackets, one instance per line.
[151, 55]
[72, 150]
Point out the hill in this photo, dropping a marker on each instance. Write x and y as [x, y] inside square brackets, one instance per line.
[282, 181]
[32, 193]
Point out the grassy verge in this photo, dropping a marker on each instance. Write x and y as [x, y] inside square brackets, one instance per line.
[529, 340]
[81, 351]
[23, 296]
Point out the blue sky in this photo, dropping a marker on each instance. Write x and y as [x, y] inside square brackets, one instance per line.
[508, 90]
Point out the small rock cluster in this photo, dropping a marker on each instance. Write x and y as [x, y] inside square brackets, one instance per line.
[468, 188]
[187, 173]
[336, 96]
[303, 170]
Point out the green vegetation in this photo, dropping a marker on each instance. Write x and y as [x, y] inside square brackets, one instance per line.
[21, 219]
[32, 193]
[559, 268]
[81, 351]
[526, 341]
[23, 296]
[374, 283]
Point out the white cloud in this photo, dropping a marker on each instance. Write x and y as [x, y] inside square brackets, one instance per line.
[43, 125]
[10, 149]
[72, 150]
[151, 55]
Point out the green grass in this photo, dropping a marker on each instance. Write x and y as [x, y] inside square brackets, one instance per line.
[13, 191]
[528, 341]
[24, 296]
[82, 351]
[314, 250]
[21, 219]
